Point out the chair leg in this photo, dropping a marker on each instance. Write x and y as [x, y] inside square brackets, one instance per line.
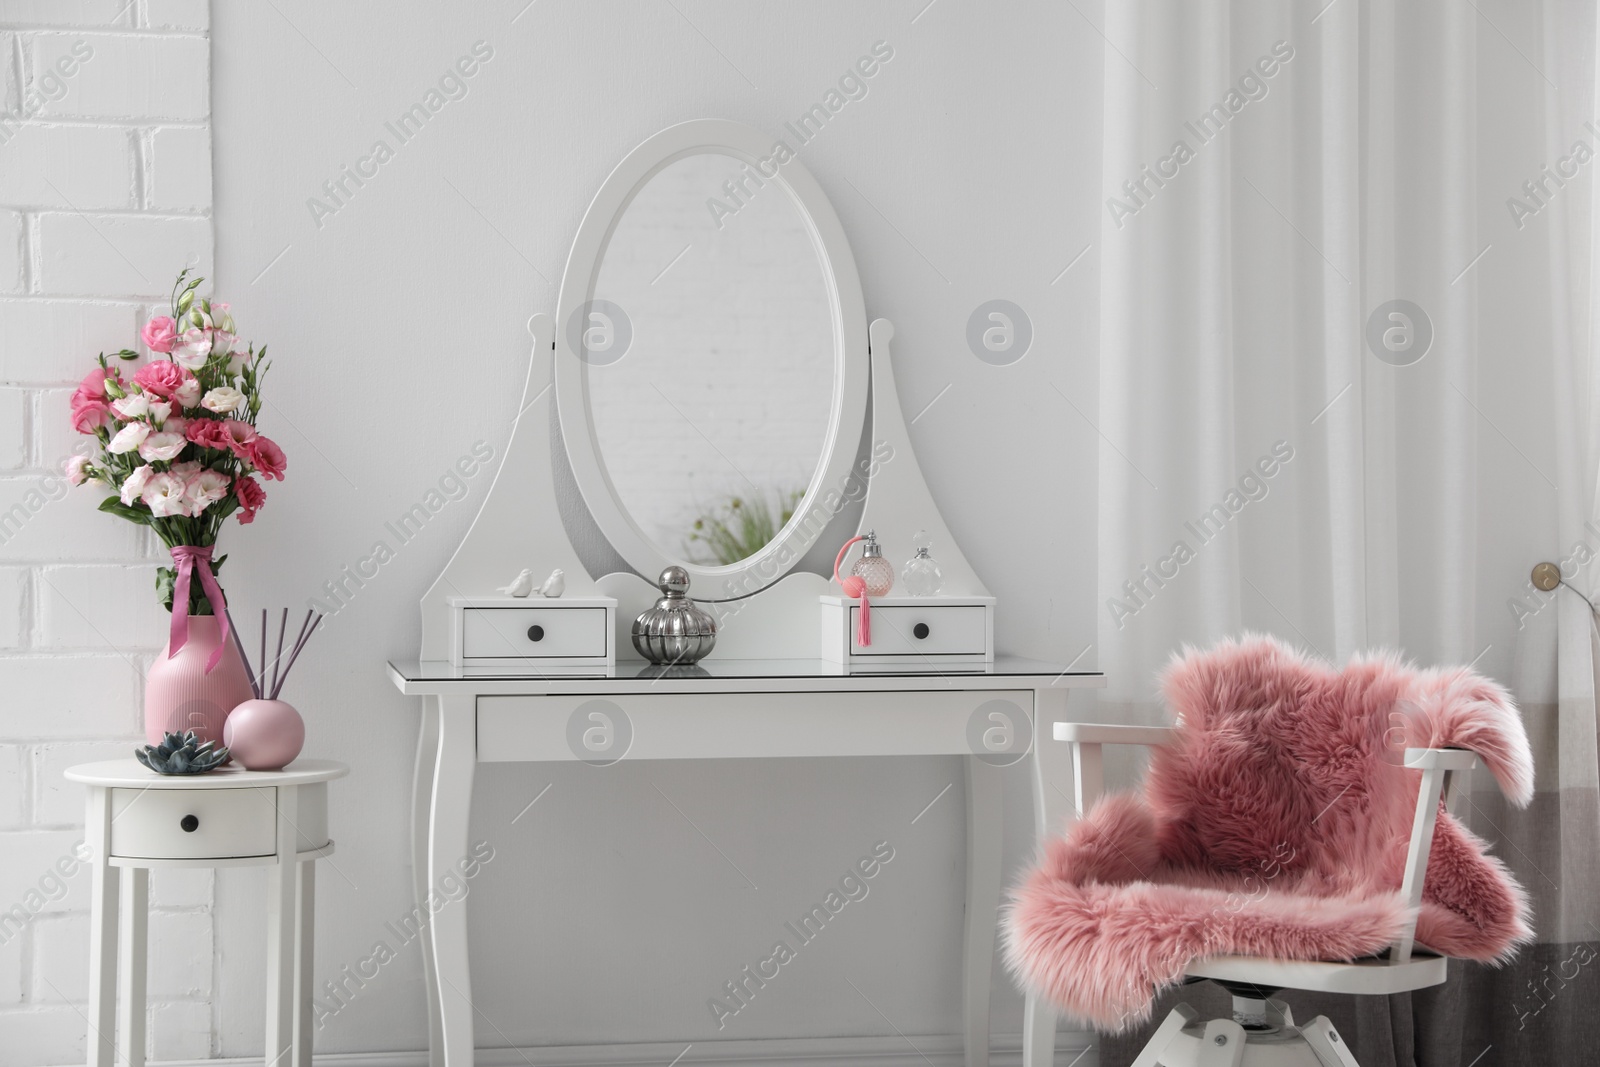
[1171, 1026]
[1328, 1044]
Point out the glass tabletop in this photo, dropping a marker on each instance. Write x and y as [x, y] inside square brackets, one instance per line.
[413, 670]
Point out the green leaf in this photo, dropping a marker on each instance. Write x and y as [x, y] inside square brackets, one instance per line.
[224, 509]
[114, 506]
[165, 577]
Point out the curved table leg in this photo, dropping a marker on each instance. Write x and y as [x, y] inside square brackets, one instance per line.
[447, 846]
[421, 807]
[984, 876]
[1050, 807]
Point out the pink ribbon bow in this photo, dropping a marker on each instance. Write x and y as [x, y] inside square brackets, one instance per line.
[184, 557]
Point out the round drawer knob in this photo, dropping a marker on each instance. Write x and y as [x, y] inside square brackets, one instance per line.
[920, 630]
[189, 823]
[536, 633]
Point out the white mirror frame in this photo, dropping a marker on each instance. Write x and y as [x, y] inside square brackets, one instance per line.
[851, 370]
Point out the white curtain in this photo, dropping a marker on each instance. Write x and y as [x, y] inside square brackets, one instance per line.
[1285, 449]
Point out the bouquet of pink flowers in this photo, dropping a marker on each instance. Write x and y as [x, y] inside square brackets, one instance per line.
[178, 442]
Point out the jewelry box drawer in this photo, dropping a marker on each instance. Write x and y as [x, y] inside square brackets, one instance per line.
[185, 824]
[935, 630]
[533, 633]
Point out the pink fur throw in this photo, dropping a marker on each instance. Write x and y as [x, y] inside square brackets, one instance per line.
[1275, 824]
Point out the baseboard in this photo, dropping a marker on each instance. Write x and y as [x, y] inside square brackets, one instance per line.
[937, 1050]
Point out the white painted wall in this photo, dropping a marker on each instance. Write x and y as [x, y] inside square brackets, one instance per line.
[105, 192]
[968, 172]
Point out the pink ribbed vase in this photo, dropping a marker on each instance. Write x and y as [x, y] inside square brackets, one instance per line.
[178, 693]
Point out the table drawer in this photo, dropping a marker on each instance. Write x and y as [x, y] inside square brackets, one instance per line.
[533, 633]
[187, 824]
[736, 725]
[928, 631]
[151, 823]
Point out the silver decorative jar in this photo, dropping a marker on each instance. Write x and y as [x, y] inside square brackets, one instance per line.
[675, 631]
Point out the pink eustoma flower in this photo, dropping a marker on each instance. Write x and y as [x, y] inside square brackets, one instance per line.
[88, 415]
[267, 458]
[162, 378]
[209, 433]
[160, 333]
[242, 435]
[251, 497]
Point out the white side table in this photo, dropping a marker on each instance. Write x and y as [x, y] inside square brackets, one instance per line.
[226, 818]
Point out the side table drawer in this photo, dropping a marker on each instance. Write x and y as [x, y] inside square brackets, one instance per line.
[533, 633]
[194, 824]
[932, 630]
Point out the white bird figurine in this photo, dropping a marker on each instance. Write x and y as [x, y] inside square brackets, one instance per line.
[554, 585]
[521, 585]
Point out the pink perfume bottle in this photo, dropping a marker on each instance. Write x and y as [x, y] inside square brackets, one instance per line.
[872, 568]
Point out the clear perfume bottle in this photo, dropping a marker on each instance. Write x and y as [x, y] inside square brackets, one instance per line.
[872, 568]
[921, 573]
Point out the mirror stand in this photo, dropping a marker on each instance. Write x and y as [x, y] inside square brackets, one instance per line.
[519, 528]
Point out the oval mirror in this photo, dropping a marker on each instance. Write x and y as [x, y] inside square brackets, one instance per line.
[711, 358]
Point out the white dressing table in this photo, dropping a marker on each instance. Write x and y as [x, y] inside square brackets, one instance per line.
[743, 709]
[536, 679]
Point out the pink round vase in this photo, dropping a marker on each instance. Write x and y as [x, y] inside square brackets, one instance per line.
[178, 693]
[264, 735]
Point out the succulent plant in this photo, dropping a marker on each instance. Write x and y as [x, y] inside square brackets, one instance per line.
[182, 754]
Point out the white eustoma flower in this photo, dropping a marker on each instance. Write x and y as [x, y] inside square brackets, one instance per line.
[161, 446]
[133, 488]
[204, 489]
[193, 348]
[188, 394]
[224, 400]
[159, 410]
[132, 406]
[129, 438]
[164, 494]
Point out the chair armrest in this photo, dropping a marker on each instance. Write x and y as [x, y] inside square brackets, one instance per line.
[1088, 775]
[1445, 759]
[1095, 733]
[1436, 765]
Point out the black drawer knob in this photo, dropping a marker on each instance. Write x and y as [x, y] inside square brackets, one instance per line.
[189, 823]
[920, 630]
[536, 633]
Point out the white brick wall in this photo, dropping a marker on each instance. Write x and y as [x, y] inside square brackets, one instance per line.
[105, 192]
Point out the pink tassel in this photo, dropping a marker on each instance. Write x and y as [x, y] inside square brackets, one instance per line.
[854, 586]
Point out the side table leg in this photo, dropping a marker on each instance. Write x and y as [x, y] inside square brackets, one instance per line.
[305, 919]
[132, 965]
[103, 907]
[447, 846]
[281, 933]
[421, 822]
